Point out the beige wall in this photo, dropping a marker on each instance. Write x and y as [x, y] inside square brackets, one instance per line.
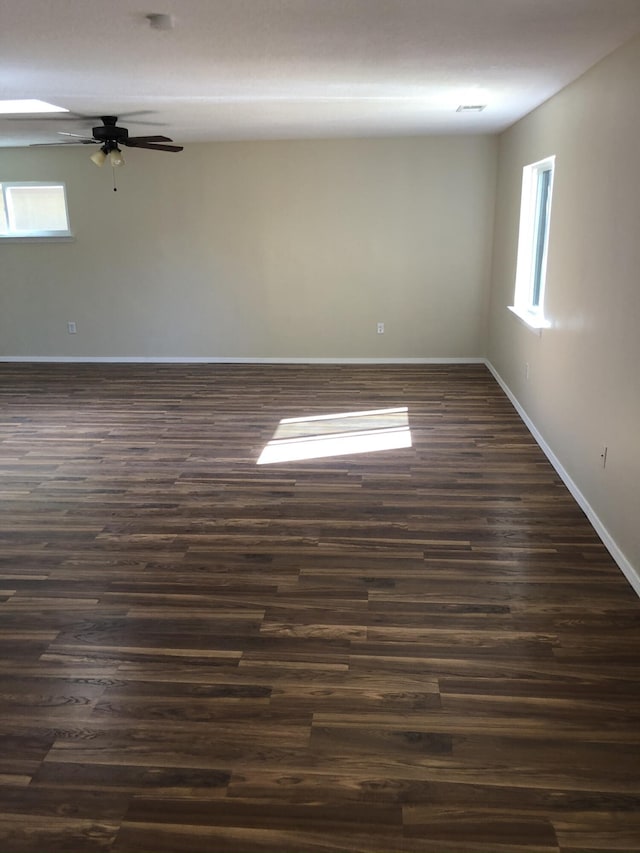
[273, 249]
[583, 390]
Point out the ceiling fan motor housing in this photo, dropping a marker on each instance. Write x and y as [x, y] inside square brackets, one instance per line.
[109, 132]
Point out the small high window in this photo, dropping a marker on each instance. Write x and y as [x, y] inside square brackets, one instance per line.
[533, 241]
[34, 209]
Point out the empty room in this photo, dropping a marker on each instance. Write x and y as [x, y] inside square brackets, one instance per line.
[320, 426]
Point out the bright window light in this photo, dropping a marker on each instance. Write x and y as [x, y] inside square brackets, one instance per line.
[533, 242]
[338, 435]
[33, 209]
[30, 105]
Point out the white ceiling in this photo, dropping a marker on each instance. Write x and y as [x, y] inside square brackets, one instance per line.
[267, 69]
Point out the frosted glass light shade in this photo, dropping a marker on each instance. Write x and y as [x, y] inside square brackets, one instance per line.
[99, 157]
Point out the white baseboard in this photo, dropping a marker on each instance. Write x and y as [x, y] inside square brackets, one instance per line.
[607, 540]
[136, 359]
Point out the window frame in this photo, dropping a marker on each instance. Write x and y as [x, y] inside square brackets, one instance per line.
[533, 243]
[33, 234]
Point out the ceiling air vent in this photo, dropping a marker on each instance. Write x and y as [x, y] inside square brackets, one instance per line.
[471, 108]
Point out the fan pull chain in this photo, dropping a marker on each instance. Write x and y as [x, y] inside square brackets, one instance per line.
[113, 171]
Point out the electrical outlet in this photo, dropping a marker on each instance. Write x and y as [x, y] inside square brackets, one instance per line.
[381, 328]
[603, 456]
[71, 327]
[526, 371]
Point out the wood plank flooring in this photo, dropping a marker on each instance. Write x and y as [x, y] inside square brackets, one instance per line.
[423, 650]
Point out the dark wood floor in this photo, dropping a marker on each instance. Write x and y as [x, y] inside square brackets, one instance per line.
[415, 650]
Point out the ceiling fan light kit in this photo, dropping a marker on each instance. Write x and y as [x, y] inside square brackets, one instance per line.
[110, 152]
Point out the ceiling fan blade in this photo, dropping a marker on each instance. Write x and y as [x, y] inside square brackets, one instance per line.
[153, 147]
[136, 140]
[75, 135]
[63, 142]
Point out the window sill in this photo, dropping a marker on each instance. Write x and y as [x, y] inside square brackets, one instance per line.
[530, 321]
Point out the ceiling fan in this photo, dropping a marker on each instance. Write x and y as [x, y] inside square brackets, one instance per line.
[110, 137]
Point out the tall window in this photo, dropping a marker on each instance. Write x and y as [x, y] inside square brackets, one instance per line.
[533, 241]
[33, 209]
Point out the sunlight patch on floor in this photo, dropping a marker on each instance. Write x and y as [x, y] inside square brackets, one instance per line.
[336, 435]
